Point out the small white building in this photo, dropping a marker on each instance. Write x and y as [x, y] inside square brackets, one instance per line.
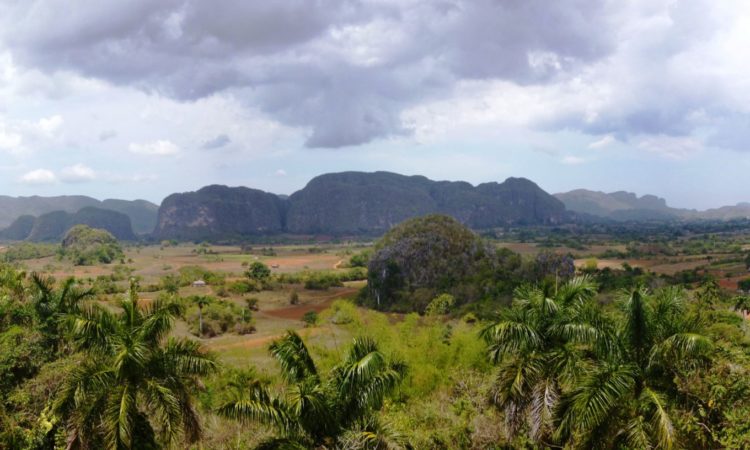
[199, 283]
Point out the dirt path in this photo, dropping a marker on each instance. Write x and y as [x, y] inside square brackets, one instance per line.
[338, 264]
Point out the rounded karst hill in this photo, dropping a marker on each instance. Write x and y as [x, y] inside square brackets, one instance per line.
[86, 246]
[423, 257]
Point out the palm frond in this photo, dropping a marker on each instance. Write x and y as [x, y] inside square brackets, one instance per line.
[577, 290]
[261, 407]
[660, 422]
[186, 357]
[510, 336]
[372, 434]
[292, 354]
[93, 327]
[589, 404]
[513, 385]
[159, 320]
[636, 434]
[120, 418]
[544, 398]
[680, 350]
[166, 405]
[309, 402]
[637, 331]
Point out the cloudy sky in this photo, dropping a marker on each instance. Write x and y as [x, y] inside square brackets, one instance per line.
[142, 98]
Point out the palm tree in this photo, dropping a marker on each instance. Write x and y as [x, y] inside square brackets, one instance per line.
[134, 385]
[623, 399]
[52, 305]
[541, 345]
[201, 301]
[318, 412]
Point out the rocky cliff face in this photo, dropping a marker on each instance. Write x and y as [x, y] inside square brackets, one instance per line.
[352, 203]
[219, 211]
[357, 202]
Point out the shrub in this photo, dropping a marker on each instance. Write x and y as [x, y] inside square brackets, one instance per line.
[243, 328]
[219, 317]
[258, 272]
[188, 274]
[294, 298]
[342, 312]
[252, 303]
[322, 281]
[244, 287]
[310, 318]
[359, 259]
[440, 305]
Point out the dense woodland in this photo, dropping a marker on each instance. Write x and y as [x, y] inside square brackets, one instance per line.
[454, 342]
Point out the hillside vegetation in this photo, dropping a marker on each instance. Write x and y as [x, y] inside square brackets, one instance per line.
[88, 246]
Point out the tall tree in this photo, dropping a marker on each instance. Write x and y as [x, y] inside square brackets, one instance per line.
[201, 301]
[623, 400]
[541, 344]
[53, 305]
[134, 386]
[317, 411]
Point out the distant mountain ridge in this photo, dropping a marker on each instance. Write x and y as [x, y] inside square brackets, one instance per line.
[54, 225]
[142, 213]
[352, 203]
[627, 206]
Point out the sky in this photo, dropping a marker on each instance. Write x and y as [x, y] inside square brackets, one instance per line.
[144, 98]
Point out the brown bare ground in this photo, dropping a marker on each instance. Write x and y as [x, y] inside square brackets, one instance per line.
[260, 341]
[297, 311]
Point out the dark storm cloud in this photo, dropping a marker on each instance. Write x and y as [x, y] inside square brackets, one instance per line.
[346, 70]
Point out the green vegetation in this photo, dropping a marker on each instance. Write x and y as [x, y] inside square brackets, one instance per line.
[534, 346]
[429, 255]
[27, 250]
[87, 246]
[208, 317]
[134, 386]
[339, 409]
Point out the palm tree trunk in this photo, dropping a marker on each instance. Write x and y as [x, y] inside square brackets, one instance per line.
[200, 320]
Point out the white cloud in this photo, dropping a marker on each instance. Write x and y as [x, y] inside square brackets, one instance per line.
[281, 173]
[77, 173]
[10, 141]
[572, 160]
[38, 176]
[50, 125]
[155, 148]
[604, 142]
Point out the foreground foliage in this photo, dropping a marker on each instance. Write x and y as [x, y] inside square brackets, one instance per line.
[134, 386]
[339, 410]
[570, 376]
